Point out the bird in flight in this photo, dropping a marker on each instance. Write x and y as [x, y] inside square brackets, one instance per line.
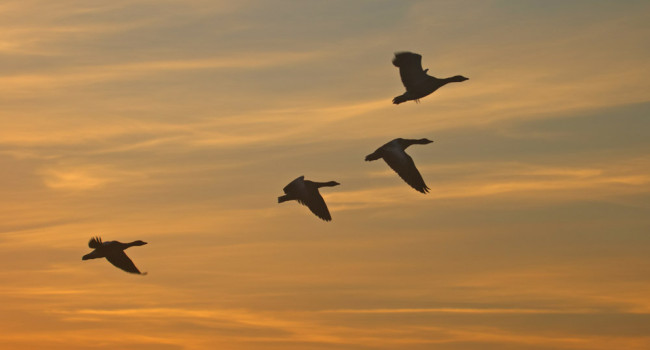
[394, 155]
[113, 251]
[417, 82]
[306, 193]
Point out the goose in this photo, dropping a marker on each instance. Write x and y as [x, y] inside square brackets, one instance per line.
[396, 158]
[306, 193]
[113, 251]
[417, 82]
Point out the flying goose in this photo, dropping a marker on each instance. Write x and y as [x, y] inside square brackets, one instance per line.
[113, 251]
[306, 193]
[395, 156]
[416, 81]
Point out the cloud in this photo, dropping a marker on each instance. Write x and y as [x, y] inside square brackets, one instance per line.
[40, 291]
[470, 180]
[179, 123]
[86, 178]
[461, 311]
[81, 76]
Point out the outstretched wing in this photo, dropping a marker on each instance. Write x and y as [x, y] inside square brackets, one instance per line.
[410, 69]
[293, 185]
[95, 242]
[404, 166]
[315, 202]
[119, 259]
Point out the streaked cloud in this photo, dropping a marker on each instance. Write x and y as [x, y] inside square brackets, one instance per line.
[458, 311]
[93, 75]
[509, 179]
[179, 122]
[84, 179]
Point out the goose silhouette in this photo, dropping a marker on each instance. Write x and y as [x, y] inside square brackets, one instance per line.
[417, 82]
[394, 155]
[306, 193]
[113, 251]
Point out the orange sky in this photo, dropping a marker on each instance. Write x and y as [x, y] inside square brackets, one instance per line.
[179, 123]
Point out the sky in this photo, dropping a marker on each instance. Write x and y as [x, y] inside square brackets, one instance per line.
[179, 123]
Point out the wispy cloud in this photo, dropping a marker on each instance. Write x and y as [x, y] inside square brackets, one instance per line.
[461, 311]
[86, 178]
[94, 74]
[179, 122]
[509, 179]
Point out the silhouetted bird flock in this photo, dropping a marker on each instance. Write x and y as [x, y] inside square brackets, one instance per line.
[418, 84]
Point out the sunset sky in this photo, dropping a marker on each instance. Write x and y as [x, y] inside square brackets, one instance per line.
[178, 122]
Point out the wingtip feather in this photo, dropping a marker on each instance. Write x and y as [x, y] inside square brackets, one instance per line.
[399, 99]
[372, 156]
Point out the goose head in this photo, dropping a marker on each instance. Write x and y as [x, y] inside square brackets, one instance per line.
[458, 78]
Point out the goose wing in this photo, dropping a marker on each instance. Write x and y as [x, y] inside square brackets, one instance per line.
[95, 242]
[410, 69]
[122, 261]
[404, 166]
[294, 186]
[315, 202]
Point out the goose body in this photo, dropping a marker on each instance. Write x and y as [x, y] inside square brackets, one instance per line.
[417, 82]
[395, 156]
[306, 193]
[113, 251]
